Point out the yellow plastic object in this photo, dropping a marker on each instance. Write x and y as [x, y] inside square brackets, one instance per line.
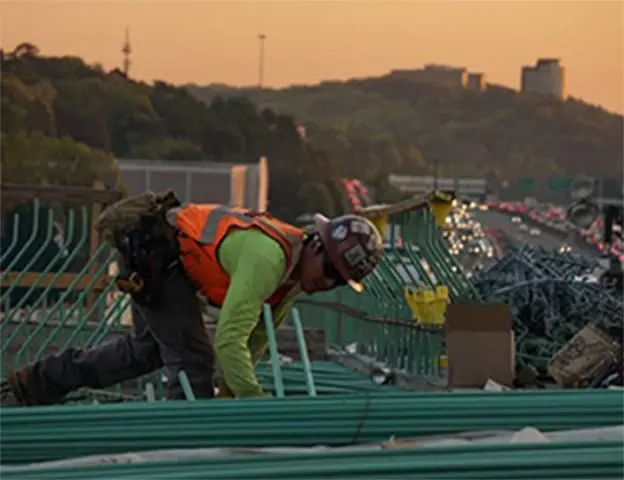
[441, 205]
[417, 304]
[439, 304]
[429, 317]
[428, 307]
[381, 222]
[443, 361]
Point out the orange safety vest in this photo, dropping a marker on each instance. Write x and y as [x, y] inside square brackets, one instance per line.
[204, 226]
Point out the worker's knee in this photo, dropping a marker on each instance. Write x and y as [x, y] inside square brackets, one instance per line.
[145, 353]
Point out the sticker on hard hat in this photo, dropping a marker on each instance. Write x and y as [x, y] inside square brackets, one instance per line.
[361, 227]
[339, 233]
[355, 255]
[372, 243]
[358, 262]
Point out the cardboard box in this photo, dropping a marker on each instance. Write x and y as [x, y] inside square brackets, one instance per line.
[480, 345]
[583, 357]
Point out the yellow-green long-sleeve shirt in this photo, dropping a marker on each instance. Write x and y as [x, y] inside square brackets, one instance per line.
[256, 264]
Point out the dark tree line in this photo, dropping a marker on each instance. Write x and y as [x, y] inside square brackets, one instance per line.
[375, 126]
[64, 122]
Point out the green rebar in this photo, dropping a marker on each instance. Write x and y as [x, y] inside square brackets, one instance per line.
[48, 268]
[303, 352]
[273, 351]
[33, 259]
[51, 433]
[14, 239]
[33, 235]
[186, 386]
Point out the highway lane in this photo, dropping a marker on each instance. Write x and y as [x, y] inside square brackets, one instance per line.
[548, 239]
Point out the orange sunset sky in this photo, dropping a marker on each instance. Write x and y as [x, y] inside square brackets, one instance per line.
[206, 41]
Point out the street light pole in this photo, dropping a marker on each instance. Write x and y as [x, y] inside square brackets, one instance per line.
[261, 39]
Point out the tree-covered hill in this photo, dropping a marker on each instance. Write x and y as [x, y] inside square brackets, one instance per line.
[390, 124]
[64, 122]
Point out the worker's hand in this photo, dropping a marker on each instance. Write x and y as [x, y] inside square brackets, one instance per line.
[223, 390]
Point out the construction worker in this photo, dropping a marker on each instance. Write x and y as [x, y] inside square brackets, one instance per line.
[238, 260]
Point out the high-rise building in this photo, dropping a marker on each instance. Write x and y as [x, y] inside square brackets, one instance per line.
[547, 77]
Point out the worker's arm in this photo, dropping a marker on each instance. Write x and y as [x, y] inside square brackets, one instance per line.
[256, 264]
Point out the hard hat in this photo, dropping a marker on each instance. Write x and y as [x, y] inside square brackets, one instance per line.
[353, 245]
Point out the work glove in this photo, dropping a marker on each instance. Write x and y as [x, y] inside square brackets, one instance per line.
[223, 390]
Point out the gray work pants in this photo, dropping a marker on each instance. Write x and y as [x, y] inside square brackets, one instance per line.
[172, 335]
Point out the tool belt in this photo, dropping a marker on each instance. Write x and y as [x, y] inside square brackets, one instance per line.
[149, 253]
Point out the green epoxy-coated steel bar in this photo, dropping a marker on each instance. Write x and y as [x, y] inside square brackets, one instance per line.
[329, 379]
[26, 344]
[303, 352]
[62, 298]
[186, 386]
[600, 459]
[51, 263]
[6, 253]
[33, 258]
[150, 393]
[273, 352]
[32, 237]
[50, 433]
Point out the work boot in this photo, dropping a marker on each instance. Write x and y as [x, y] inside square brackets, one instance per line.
[7, 399]
[14, 391]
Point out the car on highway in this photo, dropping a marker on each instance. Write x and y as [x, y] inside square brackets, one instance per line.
[516, 220]
[535, 232]
[486, 248]
[565, 248]
[586, 278]
[474, 248]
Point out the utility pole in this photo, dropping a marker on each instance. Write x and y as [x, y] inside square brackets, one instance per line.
[261, 38]
[126, 49]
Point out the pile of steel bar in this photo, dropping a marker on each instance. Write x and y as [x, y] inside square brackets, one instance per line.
[329, 379]
[53, 433]
[571, 460]
[552, 299]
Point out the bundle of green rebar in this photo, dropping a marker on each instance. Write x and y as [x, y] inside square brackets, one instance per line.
[329, 379]
[52, 433]
[565, 461]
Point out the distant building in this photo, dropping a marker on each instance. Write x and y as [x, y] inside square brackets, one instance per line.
[444, 75]
[547, 77]
[238, 185]
[476, 81]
